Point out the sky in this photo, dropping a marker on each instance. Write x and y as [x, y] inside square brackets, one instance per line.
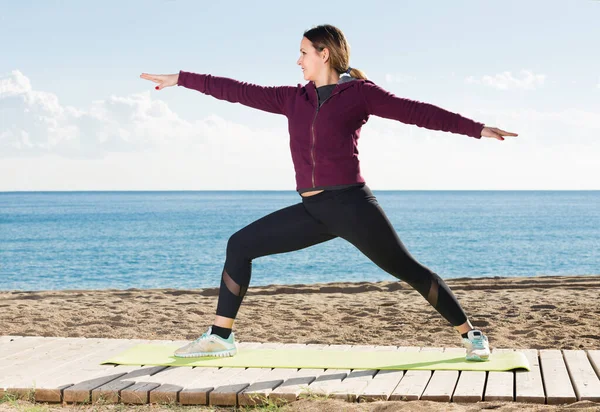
[75, 115]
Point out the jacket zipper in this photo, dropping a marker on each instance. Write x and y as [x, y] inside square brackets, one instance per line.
[312, 149]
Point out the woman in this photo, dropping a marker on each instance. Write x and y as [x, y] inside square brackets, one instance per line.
[325, 117]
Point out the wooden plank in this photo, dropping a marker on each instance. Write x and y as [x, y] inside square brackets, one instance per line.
[94, 374]
[124, 389]
[13, 363]
[76, 378]
[291, 389]
[116, 390]
[24, 385]
[166, 378]
[357, 380]
[167, 393]
[192, 384]
[557, 383]
[594, 357]
[413, 383]
[5, 341]
[160, 387]
[172, 381]
[584, 379]
[330, 378]
[50, 386]
[26, 372]
[258, 392]
[138, 392]
[384, 382]
[442, 383]
[14, 350]
[110, 391]
[197, 391]
[226, 394]
[500, 384]
[354, 385]
[8, 338]
[471, 384]
[45, 360]
[529, 386]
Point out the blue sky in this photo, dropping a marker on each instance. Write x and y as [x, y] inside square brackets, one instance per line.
[74, 114]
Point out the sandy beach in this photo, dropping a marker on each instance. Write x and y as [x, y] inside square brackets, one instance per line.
[554, 312]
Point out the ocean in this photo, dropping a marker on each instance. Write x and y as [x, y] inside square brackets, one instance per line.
[178, 239]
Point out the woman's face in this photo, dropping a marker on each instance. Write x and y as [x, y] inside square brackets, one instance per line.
[309, 60]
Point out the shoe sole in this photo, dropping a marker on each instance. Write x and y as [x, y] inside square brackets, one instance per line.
[477, 358]
[221, 354]
[227, 353]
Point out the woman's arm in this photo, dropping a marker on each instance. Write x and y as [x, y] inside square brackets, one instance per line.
[383, 103]
[271, 99]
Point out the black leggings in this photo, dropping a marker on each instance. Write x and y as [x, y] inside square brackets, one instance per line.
[350, 213]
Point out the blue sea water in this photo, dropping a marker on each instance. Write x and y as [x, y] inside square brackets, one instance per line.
[98, 240]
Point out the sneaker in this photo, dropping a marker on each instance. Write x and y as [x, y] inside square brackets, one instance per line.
[208, 345]
[477, 345]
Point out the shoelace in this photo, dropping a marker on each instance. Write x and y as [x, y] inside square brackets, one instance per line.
[204, 335]
[478, 343]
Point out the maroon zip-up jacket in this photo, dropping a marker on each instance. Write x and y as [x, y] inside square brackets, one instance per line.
[324, 140]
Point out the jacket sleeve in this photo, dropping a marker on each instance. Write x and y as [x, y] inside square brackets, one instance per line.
[383, 103]
[271, 99]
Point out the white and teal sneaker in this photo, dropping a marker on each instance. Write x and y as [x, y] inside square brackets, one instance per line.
[208, 345]
[477, 345]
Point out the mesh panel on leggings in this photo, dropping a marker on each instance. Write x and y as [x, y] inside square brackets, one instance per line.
[432, 296]
[233, 286]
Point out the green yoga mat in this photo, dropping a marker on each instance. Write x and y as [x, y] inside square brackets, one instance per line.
[162, 354]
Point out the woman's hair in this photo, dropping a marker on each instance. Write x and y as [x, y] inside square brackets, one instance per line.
[326, 35]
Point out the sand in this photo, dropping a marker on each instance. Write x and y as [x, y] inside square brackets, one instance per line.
[545, 312]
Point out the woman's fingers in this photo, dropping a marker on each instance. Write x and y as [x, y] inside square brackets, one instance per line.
[147, 77]
[151, 77]
[165, 80]
[495, 133]
[505, 133]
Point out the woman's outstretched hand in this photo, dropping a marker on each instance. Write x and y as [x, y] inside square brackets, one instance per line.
[495, 133]
[164, 80]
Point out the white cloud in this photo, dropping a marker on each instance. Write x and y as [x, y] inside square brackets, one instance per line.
[128, 142]
[35, 122]
[505, 80]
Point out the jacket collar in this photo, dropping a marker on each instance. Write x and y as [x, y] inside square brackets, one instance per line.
[343, 83]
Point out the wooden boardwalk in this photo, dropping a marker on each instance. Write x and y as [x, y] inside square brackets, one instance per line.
[54, 369]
